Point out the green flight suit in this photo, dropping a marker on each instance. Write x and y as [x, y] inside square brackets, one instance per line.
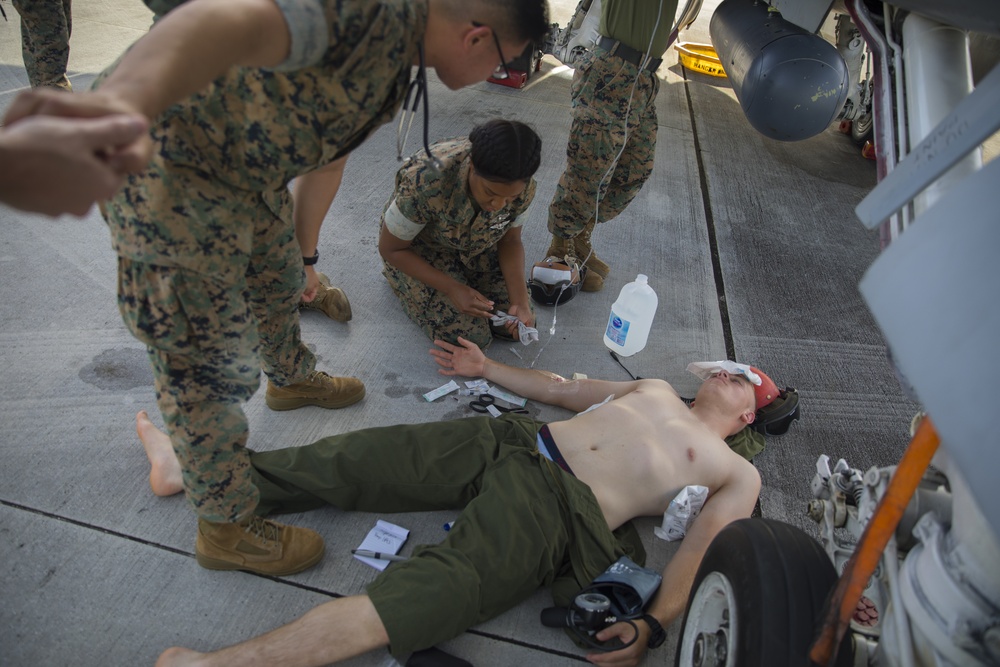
[524, 522]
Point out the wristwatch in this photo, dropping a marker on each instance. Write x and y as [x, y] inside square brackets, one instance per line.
[659, 634]
[310, 261]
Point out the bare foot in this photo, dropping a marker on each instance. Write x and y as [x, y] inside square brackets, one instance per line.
[165, 470]
[177, 657]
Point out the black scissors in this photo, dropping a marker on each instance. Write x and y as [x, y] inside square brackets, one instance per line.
[484, 401]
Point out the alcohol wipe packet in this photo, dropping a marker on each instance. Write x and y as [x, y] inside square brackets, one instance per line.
[681, 512]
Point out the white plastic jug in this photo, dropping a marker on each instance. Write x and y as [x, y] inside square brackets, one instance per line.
[631, 318]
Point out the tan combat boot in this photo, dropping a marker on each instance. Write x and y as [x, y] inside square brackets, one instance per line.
[560, 248]
[319, 389]
[598, 270]
[329, 300]
[257, 545]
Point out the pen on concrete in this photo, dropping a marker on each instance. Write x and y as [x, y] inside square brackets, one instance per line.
[364, 553]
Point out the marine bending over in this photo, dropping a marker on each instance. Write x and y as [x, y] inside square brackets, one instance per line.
[244, 97]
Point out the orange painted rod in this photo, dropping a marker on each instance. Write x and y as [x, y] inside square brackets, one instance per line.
[881, 526]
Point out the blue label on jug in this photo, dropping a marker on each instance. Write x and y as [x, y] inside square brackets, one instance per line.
[617, 329]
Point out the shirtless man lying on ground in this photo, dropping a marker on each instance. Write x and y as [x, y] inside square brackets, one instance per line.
[533, 513]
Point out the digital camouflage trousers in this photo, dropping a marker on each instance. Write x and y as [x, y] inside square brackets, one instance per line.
[434, 312]
[45, 29]
[209, 279]
[597, 186]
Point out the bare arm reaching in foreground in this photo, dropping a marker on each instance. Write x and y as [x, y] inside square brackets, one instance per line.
[88, 160]
[186, 50]
[63, 165]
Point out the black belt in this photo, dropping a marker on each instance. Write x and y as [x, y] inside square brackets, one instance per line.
[627, 53]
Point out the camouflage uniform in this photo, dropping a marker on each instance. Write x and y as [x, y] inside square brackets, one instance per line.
[210, 271]
[45, 29]
[434, 209]
[601, 93]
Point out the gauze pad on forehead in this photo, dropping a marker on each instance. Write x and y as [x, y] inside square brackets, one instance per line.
[706, 369]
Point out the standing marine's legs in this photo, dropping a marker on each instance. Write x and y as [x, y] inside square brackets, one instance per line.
[275, 280]
[182, 292]
[202, 346]
[46, 26]
[605, 164]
